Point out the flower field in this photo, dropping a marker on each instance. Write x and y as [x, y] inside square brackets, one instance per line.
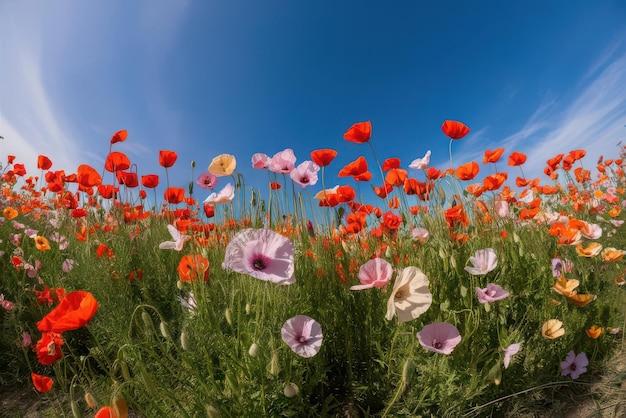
[457, 291]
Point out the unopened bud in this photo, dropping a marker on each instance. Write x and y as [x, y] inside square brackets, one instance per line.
[228, 317]
[274, 364]
[165, 332]
[291, 390]
[248, 308]
[253, 351]
[212, 412]
[184, 340]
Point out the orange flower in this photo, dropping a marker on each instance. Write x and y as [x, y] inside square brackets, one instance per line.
[582, 300]
[475, 189]
[128, 178]
[44, 162]
[150, 181]
[42, 383]
[167, 158]
[107, 191]
[432, 173]
[454, 129]
[87, 176]
[119, 136]
[612, 254]
[323, 157]
[493, 156]
[593, 332]
[591, 250]
[10, 213]
[174, 195]
[577, 154]
[103, 250]
[42, 243]
[74, 311]
[275, 185]
[566, 287]
[116, 161]
[391, 163]
[456, 215]
[396, 176]
[360, 132]
[48, 348]
[494, 181]
[553, 163]
[391, 220]
[383, 191]
[192, 267]
[467, 171]
[355, 169]
[517, 158]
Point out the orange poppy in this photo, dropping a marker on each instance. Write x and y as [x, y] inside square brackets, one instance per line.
[107, 191]
[396, 176]
[174, 195]
[475, 189]
[566, 287]
[116, 161]
[432, 173]
[391, 220]
[167, 158]
[391, 163]
[553, 163]
[467, 171]
[356, 168]
[577, 154]
[119, 136]
[456, 215]
[44, 162]
[517, 158]
[192, 267]
[494, 181]
[323, 157]
[454, 129]
[275, 185]
[73, 312]
[87, 176]
[394, 203]
[581, 300]
[360, 132]
[383, 191]
[42, 243]
[42, 383]
[593, 332]
[492, 156]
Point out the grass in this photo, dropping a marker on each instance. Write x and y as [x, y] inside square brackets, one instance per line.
[226, 356]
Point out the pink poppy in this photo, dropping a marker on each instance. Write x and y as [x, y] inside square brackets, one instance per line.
[207, 180]
[491, 293]
[263, 254]
[574, 365]
[483, 262]
[509, 352]
[305, 174]
[303, 334]
[283, 162]
[439, 337]
[375, 273]
[260, 160]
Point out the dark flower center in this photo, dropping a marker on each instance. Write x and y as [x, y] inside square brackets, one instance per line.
[259, 263]
[304, 180]
[573, 366]
[302, 339]
[437, 344]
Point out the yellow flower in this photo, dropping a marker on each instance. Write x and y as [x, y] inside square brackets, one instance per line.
[582, 300]
[612, 254]
[223, 165]
[553, 328]
[593, 332]
[591, 251]
[566, 287]
[9, 213]
[42, 243]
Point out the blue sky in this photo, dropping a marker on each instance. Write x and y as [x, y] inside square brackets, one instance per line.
[207, 77]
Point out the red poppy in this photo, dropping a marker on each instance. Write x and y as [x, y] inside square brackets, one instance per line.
[87, 176]
[116, 161]
[323, 157]
[48, 348]
[150, 181]
[467, 171]
[142, 194]
[104, 250]
[456, 215]
[42, 383]
[475, 189]
[356, 168]
[79, 213]
[19, 170]
[119, 136]
[73, 312]
[432, 173]
[396, 176]
[10, 159]
[391, 163]
[44, 296]
[383, 191]
[209, 210]
[391, 220]
[107, 191]
[553, 163]
[494, 181]
[360, 132]
[174, 195]
[44, 162]
[577, 154]
[167, 158]
[275, 185]
[517, 158]
[128, 178]
[492, 156]
[192, 267]
[454, 129]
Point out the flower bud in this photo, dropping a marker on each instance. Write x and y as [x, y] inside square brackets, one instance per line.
[248, 308]
[253, 351]
[291, 390]
[229, 319]
[274, 364]
[165, 332]
[184, 340]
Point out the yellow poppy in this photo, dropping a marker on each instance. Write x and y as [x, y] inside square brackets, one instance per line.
[566, 287]
[612, 254]
[42, 243]
[223, 165]
[593, 332]
[581, 300]
[553, 328]
[591, 251]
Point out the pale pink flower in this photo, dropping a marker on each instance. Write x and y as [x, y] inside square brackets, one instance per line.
[263, 254]
[207, 180]
[509, 352]
[226, 195]
[179, 240]
[410, 296]
[26, 340]
[420, 234]
[491, 293]
[561, 266]
[439, 337]
[616, 223]
[305, 174]
[592, 231]
[30, 233]
[283, 161]
[375, 273]
[574, 365]
[6, 304]
[260, 160]
[502, 208]
[18, 225]
[67, 265]
[31, 270]
[303, 335]
[483, 262]
[421, 163]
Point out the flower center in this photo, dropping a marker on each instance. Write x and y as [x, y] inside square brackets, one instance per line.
[302, 339]
[259, 263]
[437, 344]
[304, 180]
[573, 366]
